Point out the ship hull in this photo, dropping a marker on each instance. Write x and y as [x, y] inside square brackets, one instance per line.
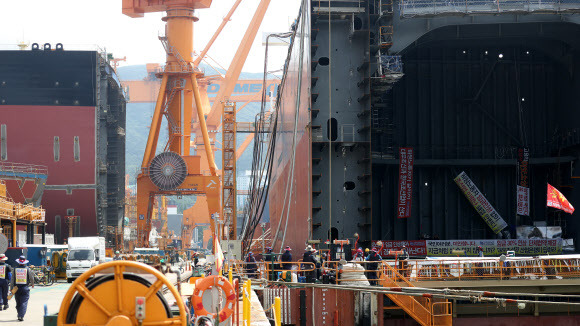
[66, 110]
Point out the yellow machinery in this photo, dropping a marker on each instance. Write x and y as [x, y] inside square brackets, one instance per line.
[122, 296]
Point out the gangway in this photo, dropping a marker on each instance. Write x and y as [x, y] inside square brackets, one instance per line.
[426, 310]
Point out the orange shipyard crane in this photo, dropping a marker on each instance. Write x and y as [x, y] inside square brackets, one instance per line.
[227, 87]
[174, 171]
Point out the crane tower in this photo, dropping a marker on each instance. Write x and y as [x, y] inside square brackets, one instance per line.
[175, 171]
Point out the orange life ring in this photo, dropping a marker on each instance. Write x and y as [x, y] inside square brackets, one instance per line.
[206, 283]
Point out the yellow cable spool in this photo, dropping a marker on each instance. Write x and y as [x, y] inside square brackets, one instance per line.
[110, 299]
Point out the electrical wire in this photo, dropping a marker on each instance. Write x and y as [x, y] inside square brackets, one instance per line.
[263, 157]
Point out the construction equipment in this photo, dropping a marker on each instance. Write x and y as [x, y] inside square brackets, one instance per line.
[121, 293]
[175, 171]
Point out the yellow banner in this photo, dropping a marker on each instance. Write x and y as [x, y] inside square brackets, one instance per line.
[480, 203]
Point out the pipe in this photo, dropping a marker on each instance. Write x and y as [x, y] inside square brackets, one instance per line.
[178, 272]
[203, 126]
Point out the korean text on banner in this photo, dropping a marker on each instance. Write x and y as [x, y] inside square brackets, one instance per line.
[480, 203]
[523, 201]
[406, 158]
[522, 247]
[21, 276]
[523, 189]
[414, 247]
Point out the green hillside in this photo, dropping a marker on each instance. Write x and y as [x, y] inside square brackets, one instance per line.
[139, 120]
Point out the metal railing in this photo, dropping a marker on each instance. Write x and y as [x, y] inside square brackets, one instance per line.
[524, 268]
[8, 169]
[414, 8]
[16, 211]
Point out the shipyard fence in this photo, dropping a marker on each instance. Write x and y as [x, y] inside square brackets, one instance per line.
[417, 270]
[414, 8]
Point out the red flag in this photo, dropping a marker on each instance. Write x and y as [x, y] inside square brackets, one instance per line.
[557, 200]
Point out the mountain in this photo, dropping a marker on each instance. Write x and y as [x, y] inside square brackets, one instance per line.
[139, 117]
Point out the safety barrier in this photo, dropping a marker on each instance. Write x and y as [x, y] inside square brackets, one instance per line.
[548, 267]
[413, 8]
[270, 270]
[11, 210]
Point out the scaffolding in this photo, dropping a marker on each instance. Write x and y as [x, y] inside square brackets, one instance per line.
[229, 168]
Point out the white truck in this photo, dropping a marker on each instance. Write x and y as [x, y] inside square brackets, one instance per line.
[83, 253]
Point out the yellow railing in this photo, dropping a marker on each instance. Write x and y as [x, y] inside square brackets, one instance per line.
[494, 269]
[265, 269]
[12, 210]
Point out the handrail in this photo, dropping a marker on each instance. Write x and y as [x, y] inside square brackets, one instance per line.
[414, 8]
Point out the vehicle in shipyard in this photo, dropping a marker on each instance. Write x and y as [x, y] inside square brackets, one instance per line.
[83, 253]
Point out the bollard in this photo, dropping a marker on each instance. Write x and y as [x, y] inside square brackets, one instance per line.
[278, 311]
[245, 303]
[249, 302]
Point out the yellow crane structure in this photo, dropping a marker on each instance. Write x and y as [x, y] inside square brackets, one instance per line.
[175, 171]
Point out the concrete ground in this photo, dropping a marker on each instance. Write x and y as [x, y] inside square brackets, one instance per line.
[51, 296]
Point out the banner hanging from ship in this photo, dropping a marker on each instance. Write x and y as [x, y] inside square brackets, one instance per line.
[523, 187]
[521, 247]
[480, 203]
[406, 158]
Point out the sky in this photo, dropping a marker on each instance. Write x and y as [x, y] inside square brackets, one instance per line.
[85, 24]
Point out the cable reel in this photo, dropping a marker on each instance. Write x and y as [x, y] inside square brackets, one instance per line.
[167, 170]
[120, 297]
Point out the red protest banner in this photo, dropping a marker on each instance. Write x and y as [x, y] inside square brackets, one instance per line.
[414, 247]
[406, 158]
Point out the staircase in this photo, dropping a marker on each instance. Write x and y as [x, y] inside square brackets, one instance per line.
[425, 311]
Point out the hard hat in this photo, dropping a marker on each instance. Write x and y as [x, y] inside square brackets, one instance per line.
[367, 250]
[162, 261]
[288, 248]
[309, 248]
[250, 253]
[117, 252]
[359, 250]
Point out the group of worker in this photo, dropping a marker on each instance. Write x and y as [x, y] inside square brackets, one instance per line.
[20, 279]
[311, 263]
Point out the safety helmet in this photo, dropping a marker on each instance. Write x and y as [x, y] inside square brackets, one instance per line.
[117, 252]
[367, 250]
[359, 250]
